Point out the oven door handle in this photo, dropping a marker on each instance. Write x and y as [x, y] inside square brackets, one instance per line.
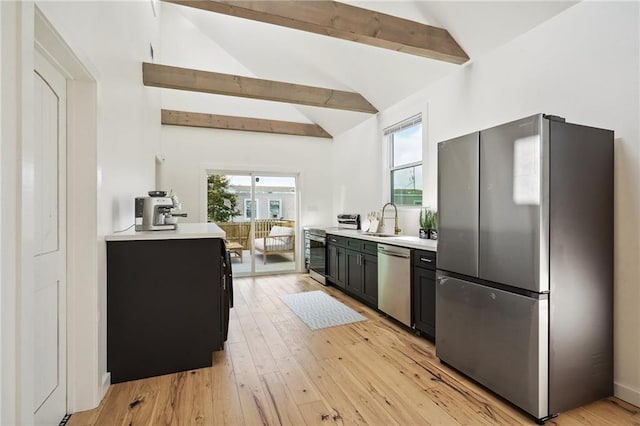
[318, 239]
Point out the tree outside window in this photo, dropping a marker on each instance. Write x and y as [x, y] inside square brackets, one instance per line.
[221, 203]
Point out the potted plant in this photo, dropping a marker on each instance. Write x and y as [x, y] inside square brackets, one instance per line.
[428, 224]
[433, 230]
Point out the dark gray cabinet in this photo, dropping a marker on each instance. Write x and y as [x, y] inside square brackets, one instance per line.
[352, 265]
[336, 263]
[166, 306]
[424, 292]
[353, 283]
[370, 278]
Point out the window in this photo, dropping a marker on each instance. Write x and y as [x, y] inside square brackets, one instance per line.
[275, 209]
[247, 209]
[405, 166]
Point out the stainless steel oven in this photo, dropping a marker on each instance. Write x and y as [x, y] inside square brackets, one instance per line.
[317, 260]
[316, 245]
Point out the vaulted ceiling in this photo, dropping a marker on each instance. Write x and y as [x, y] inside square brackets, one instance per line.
[220, 43]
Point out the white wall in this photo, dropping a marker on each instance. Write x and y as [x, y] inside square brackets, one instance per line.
[184, 45]
[114, 39]
[582, 65]
[188, 152]
[356, 165]
[360, 163]
[111, 39]
[11, 110]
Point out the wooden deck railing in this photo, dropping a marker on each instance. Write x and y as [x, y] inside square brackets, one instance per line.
[239, 232]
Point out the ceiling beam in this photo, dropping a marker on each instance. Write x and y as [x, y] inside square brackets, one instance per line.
[248, 87]
[227, 122]
[346, 22]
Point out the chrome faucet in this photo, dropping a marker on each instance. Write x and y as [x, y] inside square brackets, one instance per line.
[396, 230]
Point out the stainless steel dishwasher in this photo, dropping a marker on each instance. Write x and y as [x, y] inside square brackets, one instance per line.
[394, 282]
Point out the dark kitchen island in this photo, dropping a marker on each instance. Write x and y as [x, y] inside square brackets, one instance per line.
[167, 300]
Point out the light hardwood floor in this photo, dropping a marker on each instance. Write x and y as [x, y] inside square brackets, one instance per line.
[275, 371]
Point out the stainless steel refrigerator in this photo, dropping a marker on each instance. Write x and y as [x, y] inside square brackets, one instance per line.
[524, 293]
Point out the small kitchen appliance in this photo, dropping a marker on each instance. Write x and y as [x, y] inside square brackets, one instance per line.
[153, 213]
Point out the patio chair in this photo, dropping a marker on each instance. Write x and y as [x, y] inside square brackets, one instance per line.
[281, 239]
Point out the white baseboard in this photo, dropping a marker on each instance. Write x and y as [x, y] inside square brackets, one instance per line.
[106, 382]
[630, 395]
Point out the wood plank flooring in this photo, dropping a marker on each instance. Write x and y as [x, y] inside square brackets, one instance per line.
[275, 371]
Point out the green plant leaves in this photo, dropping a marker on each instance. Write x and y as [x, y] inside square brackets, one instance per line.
[428, 219]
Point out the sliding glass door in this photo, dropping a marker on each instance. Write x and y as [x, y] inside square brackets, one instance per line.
[258, 214]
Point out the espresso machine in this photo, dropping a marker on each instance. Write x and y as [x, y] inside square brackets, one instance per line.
[153, 213]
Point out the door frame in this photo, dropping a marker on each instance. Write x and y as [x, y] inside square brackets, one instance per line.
[207, 169]
[85, 387]
[24, 29]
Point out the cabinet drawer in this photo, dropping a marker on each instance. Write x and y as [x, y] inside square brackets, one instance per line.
[424, 259]
[354, 244]
[336, 241]
[370, 247]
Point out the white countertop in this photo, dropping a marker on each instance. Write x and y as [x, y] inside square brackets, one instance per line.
[408, 241]
[184, 231]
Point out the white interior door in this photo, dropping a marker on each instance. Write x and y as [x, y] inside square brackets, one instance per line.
[50, 378]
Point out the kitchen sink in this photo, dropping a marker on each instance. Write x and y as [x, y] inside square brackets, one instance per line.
[376, 234]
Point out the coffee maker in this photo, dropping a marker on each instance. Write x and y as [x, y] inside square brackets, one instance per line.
[152, 212]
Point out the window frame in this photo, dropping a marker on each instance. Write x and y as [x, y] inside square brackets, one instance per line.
[279, 200]
[244, 211]
[389, 140]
